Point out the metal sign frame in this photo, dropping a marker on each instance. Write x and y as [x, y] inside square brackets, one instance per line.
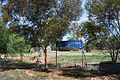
[70, 44]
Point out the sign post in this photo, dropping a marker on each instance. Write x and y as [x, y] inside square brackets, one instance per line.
[82, 57]
[70, 44]
[56, 55]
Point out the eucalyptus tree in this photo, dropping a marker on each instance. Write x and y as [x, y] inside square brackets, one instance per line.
[41, 21]
[71, 9]
[26, 17]
[94, 34]
[53, 31]
[106, 13]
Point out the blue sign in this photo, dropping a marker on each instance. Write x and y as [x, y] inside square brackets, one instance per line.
[70, 44]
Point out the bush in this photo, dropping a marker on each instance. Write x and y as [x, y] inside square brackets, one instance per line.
[3, 38]
[17, 44]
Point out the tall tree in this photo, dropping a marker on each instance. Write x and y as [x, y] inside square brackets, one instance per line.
[53, 31]
[41, 21]
[26, 17]
[71, 9]
[94, 34]
[107, 14]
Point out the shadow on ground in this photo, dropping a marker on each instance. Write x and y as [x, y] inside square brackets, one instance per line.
[14, 64]
[104, 69]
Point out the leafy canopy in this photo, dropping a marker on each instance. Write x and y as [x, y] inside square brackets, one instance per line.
[30, 18]
[17, 44]
[105, 13]
[3, 38]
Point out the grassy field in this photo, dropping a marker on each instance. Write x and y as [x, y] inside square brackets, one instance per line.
[71, 58]
[13, 69]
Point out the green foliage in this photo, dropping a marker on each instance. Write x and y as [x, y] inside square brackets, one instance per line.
[94, 34]
[36, 13]
[112, 43]
[39, 22]
[105, 13]
[113, 46]
[3, 41]
[10, 42]
[71, 9]
[54, 30]
[92, 30]
[28, 9]
[3, 38]
[75, 30]
[17, 44]
[70, 38]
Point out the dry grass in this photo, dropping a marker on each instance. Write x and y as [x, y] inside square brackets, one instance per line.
[30, 70]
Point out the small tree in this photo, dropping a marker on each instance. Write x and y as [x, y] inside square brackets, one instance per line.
[16, 45]
[54, 30]
[3, 38]
[113, 45]
[10, 42]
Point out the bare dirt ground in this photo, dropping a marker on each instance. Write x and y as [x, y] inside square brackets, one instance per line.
[58, 73]
[62, 73]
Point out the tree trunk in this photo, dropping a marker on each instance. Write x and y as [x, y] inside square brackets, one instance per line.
[45, 52]
[21, 57]
[114, 55]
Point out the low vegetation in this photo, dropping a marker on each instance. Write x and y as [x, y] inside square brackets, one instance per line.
[69, 65]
